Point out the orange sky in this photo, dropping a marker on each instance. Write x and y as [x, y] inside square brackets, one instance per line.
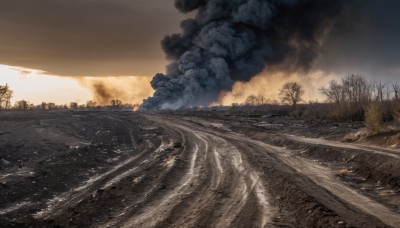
[37, 87]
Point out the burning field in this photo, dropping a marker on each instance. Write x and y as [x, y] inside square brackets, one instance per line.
[135, 169]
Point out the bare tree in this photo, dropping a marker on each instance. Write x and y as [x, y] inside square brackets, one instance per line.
[352, 88]
[291, 92]
[5, 96]
[22, 104]
[396, 90]
[334, 93]
[356, 89]
[91, 104]
[261, 100]
[251, 100]
[379, 88]
[44, 106]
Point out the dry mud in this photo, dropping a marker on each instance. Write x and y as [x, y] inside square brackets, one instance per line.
[123, 169]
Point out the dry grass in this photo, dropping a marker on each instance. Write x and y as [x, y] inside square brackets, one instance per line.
[373, 118]
[396, 118]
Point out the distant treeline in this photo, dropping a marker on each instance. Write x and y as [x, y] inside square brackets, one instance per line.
[353, 98]
[6, 95]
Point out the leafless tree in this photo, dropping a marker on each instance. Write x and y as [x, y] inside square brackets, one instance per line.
[356, 89]
[396, 90]
[261, 100]
[379, 88]
[44, 106]
[251, 100]
[352, 88]
[91, 104]
[5, 96]
[291, 92]
[334, 93]
[22, 104]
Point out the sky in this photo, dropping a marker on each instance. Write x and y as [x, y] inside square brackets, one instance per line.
[66, 40]
[61, 50]
[36, 87]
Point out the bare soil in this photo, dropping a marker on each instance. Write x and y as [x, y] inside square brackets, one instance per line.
[163, 169]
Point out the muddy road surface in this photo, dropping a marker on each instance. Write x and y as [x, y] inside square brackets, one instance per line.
[123, 169]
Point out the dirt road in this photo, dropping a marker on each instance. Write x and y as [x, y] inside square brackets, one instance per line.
[187, 171]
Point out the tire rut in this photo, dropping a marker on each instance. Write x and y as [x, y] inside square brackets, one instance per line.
[222, 191]
[310, 178]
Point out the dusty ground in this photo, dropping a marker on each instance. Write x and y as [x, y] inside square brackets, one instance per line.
[123, 169]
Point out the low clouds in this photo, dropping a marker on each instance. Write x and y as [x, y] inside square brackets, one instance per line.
[86, 37]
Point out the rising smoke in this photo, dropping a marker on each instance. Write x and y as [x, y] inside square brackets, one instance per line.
[105, 89]
[233, 40]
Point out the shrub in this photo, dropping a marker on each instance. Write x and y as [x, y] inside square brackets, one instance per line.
[373, 118]
[396, 118]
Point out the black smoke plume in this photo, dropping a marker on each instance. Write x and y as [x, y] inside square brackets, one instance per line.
[233, 40]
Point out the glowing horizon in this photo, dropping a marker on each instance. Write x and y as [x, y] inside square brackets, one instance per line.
[37, 87]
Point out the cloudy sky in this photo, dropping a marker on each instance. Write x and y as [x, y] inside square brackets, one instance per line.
[80, 38]
[61, 39]
[86, 37]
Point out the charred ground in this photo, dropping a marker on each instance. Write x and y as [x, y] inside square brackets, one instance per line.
[113, 169]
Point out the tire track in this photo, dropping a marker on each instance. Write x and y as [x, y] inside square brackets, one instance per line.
[218, 188]
[372, 149]
[325, 178]
[316, 181]
[56, 205]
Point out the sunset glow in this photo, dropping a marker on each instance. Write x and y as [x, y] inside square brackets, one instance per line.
[37, 87]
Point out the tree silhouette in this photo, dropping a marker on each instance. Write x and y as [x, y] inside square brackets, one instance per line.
[291, 92]
[5, 96]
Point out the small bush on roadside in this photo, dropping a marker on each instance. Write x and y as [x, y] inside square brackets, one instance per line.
[373, 118]
[396, 118]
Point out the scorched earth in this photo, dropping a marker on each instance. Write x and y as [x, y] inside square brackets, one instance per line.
[165, 169]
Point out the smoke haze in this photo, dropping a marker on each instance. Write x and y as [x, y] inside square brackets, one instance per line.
[126, 89]
[268, 83]
[232, 41]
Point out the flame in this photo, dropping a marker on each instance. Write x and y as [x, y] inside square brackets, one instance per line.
[135, 107]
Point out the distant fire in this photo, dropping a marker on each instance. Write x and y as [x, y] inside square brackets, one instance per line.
[135, 107]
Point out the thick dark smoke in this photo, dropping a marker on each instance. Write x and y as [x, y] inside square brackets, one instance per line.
[233, 40]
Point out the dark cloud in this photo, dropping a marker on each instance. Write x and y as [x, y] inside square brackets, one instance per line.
[366, 40]
[86, 37]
